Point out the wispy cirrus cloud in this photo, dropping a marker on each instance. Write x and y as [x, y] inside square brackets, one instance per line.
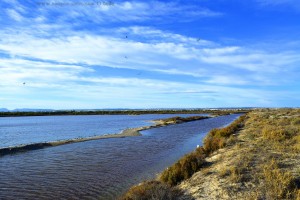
[66, 82]
[277, 2]
[281, 4]
[157, 56]
[14, 15]
[81, 13]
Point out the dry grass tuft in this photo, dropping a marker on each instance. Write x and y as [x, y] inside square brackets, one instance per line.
[278, 184]
[295, 121]
[218, 138]
[184, 168]
[224, 172]
[152, 190]
[298, 194]
[297, 143]
[193, 162]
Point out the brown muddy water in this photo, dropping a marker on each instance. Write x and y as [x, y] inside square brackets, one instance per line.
[100, 169]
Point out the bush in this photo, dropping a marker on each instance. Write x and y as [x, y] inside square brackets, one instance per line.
[151, 190]
[278, 184]
[298, 194]
[297, 142]
[216, 138]
[278, 133]
[213, 143]
[191, 163]
[184, 168]
[295, 121]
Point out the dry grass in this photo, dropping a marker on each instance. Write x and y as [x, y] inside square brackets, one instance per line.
[184, 168]
[297, 143]
[268, 158]
[152, 190]
[298, 194]
[218, 138]
[277, 183]
[262, 161]
[193, 162]
[224, 172]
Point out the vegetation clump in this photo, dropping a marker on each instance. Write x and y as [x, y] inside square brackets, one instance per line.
[184, 168]
[261, 162]
[193, 162]
[177, 120]
[218, 137]
[152, 190]
[278, 183]
[217, 112]
[271, 142]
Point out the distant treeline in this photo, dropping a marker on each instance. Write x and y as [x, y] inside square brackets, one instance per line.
[122, 112]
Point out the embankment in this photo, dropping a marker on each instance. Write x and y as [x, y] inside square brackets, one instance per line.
[257, 157]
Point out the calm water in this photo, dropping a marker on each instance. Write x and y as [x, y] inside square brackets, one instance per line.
[16, 131]
[99, 169]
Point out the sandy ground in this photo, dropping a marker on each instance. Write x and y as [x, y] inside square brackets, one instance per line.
[237, 171]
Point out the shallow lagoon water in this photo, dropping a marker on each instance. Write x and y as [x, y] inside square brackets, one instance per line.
[99, 169]
[16, 131]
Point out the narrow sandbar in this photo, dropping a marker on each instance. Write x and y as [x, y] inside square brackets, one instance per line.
[130, 132]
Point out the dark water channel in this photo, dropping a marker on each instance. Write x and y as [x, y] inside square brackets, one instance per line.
[100, 169]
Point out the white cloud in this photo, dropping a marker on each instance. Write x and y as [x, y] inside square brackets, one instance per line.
[14, 15]
[280, 4]
[174, 57]
[155, 35]
[127, 11]
[197, 73]
[221, 51]
[228, 80]
[43, 74]
[71, 57]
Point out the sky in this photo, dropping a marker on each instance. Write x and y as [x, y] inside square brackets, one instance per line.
[64, 54]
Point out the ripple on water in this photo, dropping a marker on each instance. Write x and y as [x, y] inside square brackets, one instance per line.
[99, 169]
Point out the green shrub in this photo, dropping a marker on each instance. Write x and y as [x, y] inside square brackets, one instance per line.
[213, 143]
[184, 168]
[151, 190]
[191, 163]
[217, 137]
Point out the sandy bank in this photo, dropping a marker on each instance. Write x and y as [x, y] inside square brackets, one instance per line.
[260, 162]
[23, 148]
[255, 157]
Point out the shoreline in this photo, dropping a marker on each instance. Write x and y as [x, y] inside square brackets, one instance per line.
[256, 157]
[130, 132]
[121, 112]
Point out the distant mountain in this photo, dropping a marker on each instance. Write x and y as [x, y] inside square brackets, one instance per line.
[4, 110]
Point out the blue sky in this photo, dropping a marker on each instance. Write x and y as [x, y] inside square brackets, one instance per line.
[149, 54]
